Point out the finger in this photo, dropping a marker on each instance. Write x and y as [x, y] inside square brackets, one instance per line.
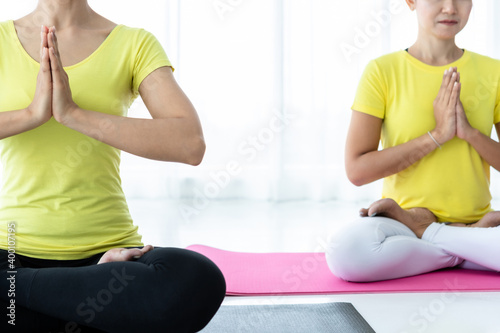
[43, 39]
[459, 91]
[455, 94]
[45, 32]
[55, 43]
[50, 37]
[55, 67]
[44, 62]
[449, 89]
[55, 60]
[455, 71]
[452, 72]
[445, 83]
[55, 37]
[41, 43]
[452, 81]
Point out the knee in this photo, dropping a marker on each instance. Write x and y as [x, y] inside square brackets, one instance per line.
[349, 253]
[208, 290]
[191, 290]
[204, 289]
[208, 281]
[345, 261]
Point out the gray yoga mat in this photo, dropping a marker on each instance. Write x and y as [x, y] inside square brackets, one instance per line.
[288, 318]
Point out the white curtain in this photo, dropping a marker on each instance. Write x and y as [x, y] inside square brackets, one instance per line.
[273, 82]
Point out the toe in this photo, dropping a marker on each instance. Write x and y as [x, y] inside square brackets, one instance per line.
[147, 248]
[377, 208]
[130, 254]
[384, 207]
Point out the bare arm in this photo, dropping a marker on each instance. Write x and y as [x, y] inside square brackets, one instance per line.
[39, 111]
[488, 148]
[174, 134]
[16, 122]
[365, 163]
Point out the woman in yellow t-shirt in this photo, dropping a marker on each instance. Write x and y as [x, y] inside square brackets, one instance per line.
[71, 258]
[435, 160]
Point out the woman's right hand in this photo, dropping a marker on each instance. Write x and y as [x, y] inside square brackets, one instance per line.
[445, 107]
[40, 109]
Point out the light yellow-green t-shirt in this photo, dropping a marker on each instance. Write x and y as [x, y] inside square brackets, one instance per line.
[453, 182]
[62, 188]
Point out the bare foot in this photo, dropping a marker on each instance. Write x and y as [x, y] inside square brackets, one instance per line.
[417, 219]
[490, 220]
[123, 254]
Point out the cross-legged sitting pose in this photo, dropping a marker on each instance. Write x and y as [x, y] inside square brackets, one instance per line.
[433, 106]
[71, 259]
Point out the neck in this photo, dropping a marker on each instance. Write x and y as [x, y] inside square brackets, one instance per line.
[435, 52]
[62, 14]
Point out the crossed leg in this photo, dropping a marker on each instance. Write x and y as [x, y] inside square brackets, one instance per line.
[418, 219]
[395, 243]
[165, 290]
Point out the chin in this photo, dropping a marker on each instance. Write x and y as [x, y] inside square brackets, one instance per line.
[446, 35]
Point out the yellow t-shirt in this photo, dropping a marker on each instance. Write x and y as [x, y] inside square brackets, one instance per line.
[453, 182]
[62, 188]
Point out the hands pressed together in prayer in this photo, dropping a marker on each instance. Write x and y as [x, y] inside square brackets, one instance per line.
[451, 120]
[53, 94]
[53, 98]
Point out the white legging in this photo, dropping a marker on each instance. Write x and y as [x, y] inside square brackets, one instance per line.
[380, 248]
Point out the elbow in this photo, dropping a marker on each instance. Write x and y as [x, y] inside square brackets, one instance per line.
[356, 178]
[195, 152]
[357, 172]
[356, 181]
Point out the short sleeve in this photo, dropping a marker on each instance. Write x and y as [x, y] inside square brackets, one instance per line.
[150, 56]
[371, 94]
[496, 116]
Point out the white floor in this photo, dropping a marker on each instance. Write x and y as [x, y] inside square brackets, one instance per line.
[305, 227]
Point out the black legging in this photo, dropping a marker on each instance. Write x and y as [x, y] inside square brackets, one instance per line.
[166, 290]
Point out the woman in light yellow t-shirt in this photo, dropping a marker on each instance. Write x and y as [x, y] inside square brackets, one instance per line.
[433, 107]
[71, 258]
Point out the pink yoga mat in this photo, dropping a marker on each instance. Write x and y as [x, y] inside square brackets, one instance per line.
[308, 273]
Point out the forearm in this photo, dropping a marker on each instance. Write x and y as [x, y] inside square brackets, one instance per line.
[165, 139]
[488, 148]
[16, 122]
[374, 165]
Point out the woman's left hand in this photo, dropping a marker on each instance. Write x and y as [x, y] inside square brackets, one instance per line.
[124, 254]
[463, 125]
[62, 100]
